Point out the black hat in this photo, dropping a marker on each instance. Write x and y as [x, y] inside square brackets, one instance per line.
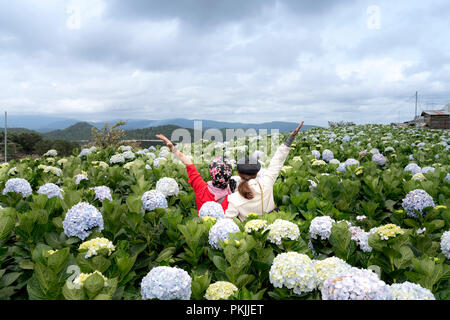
[248, 165]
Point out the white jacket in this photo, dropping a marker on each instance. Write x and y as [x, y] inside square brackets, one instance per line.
[240, 207]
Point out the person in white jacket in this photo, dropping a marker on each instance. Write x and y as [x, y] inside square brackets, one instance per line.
[255, 192]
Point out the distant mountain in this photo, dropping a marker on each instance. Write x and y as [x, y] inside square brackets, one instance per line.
[45, 124]
[40, 123]
[15, 131]
[76, 132]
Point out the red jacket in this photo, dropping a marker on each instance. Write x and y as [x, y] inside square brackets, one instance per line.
[202, 193]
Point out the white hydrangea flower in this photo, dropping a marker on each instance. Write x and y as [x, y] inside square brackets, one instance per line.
[330, 267]
[321, 227]
[255, 225]
[79, 178]
[335, 161]
[356, 284]
[92, 246]
[411, 291]
[51, 153]
[211, 209]
[81, 278]
[117, 158]
[102, 193]
[221, 232]
[282, 229]
[167, 186]
[124, 148]
[129, 155]
[51, 190]
[166, 283]
[294, 271]
[220, 290]
[418, 176]
[445, 244]
[317, 163]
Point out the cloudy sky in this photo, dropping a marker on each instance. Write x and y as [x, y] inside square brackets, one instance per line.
[233, 60]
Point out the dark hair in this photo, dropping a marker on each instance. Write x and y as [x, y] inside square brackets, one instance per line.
[244, 189]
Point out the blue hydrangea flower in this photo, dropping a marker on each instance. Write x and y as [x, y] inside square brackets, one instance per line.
[51, 190]
[321, 227]
[316, 154]
[413, 168]
[211, 209]
[221, 232]
[427, 169]
[417, 200]
[445, 244]
[153, 199]
[379, 159]
[18, 185]
[327, 155]
[166, 283]
[351, 162]
[81, 219]
[79, 178]
[157, 161]
[102, 193]
[341, 168]
[411, 157]
[447, 177]
[346, 138]
[356, 284]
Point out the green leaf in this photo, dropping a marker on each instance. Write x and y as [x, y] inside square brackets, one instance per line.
[220, 263]
[9, 278]
[231, 253]
[93, 284]
[58, 260]
[340, 239]
[99, 263]
[34, 290]
[7, 222]
[73, 294]
[26, 264]
[46, 277]
[166, 254]
[405, 259]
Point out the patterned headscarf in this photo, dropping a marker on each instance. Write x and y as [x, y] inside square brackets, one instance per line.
[221, 171]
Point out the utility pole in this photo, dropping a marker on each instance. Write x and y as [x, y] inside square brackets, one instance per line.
[415, 114]
[6, 143]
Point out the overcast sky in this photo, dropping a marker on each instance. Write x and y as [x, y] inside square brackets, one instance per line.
[233, 60]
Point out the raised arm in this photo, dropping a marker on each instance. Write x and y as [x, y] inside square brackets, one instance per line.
[278, 159]
[186, 161]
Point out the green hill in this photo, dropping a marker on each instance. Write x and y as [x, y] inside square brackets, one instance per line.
[78, 131]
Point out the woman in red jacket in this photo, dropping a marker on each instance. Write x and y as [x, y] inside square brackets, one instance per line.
[221, 184]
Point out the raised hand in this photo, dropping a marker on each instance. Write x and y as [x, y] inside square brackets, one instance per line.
[294, 133]
[166, 141]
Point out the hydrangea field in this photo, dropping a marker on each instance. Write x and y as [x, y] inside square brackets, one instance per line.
[364, 214]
